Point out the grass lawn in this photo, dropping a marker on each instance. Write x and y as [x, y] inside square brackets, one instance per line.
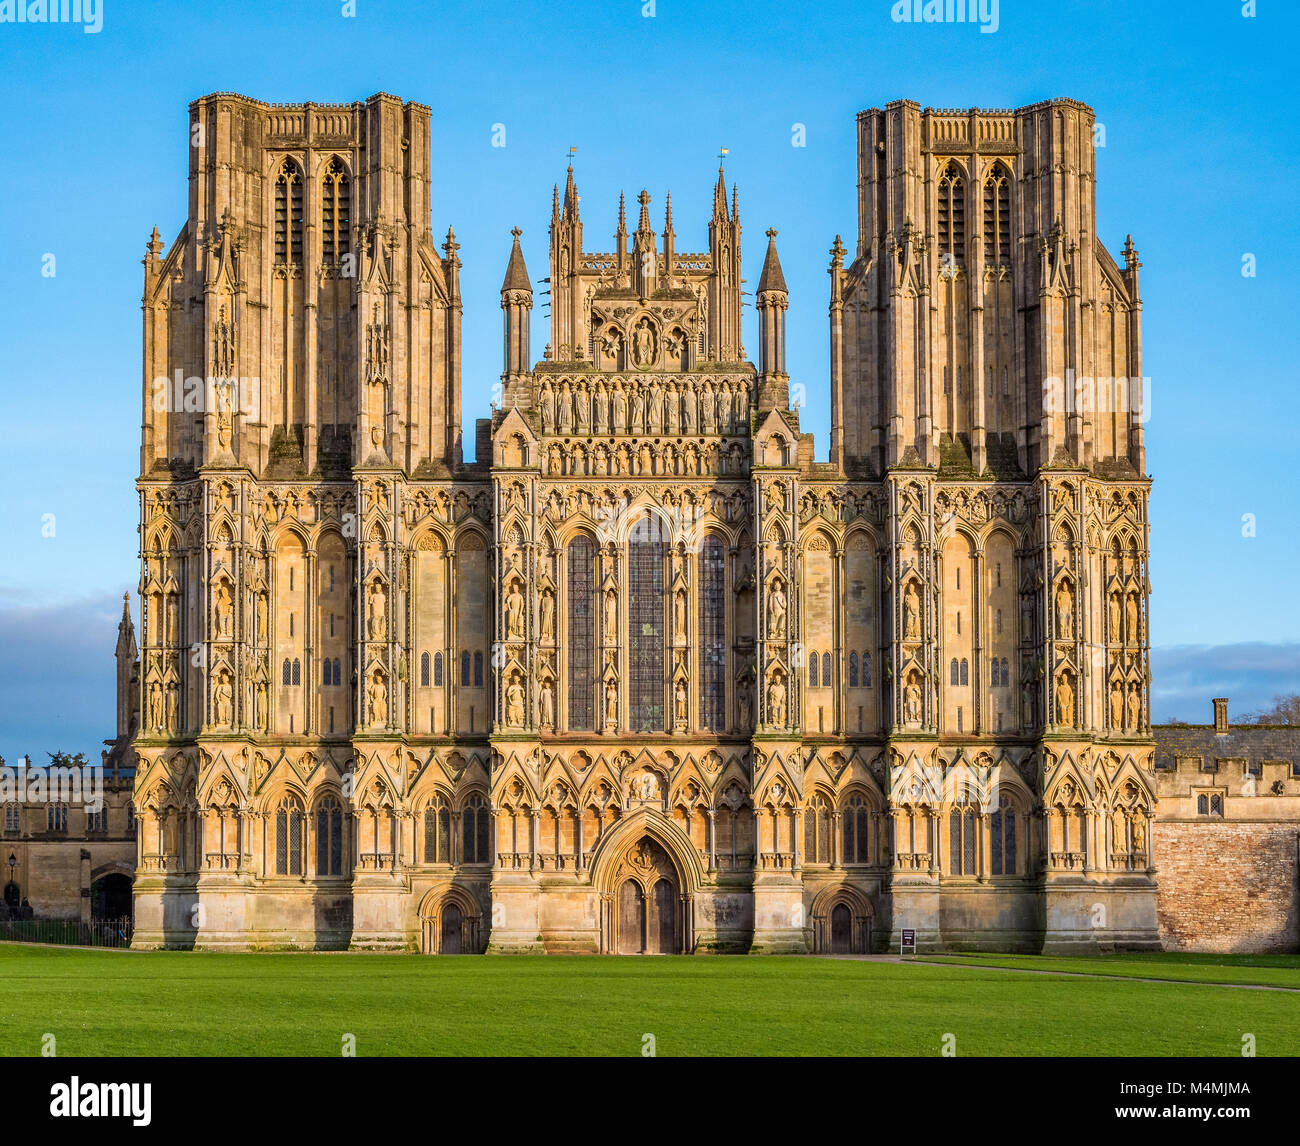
[195, 1003]
[1245, 970]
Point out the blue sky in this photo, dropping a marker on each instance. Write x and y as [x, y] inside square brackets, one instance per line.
[1197, 165]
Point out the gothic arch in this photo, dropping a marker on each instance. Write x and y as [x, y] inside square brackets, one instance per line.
[619, 841]
[436, 914]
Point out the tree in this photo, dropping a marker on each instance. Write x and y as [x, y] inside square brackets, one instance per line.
[1285, 710]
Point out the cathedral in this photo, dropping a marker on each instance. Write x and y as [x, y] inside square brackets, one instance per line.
[645, 676]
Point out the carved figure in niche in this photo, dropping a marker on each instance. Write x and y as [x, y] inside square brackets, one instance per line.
[1119, 831]
[1064, 700]
[377, 699]
[582, 406]
[911, 613]
[514, 612]
[173, 706]
[745, 705]
[672, 402]
[260, 690]
[376, 620]
[548, 615]
[654, 409]
[912, 701]
[609, 344]
[1134, 706]
[564, 414]
[548, 408]
[689, 407]
[155, 705]
[637, 424]
[776, 609]
[644, 346]
[647, 788]
[224, 612]
[681, 701]
[679, 615]
[620, 410]
[259, 613]
[776, 700]
[611, 617]
[611, 702]
[173, 607]
[1064, 612]
[1114, 618]
[553, 461]
[1132, 610]
[548, 704]
[515, 702]
[706, 409]
[1116, 705]
[1139, 822]
[224, 696]
[602, 409]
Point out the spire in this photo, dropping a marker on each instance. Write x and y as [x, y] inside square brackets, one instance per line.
[720, 195]
[516, 273]
[622, 215]
[772, 279]
[643, 223]
[125, 629]
[668, 214]
[735, 202]
[570, 196]
[555, 205]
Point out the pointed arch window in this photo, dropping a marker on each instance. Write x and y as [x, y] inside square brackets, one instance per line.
[329, 837]
[647, 552]
[464, 668]
[965, 671]
[853, 670]
[1002, 840]
[286, 672]
[474, 831]
[288, 214]
[297, 671]
[437, 670]
[582, 633]
[424, 670]
[817, 831]
[952, 215]
[866, 670]
[437, 832]
[826, 670]
[713, 653]
[478, 669]
[288, 837]
[336, 213]
[954, 672]
[961, 832]
[812, 671]
[997, 216]
[857, 820]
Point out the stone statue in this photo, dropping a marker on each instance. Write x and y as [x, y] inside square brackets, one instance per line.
[745, 705]
[1064, 700]
[155, 705]
[376, 621]
[515, 702]
[619, 425]
[1119, 831]
[377, 699]
[611, 617]
[514, 612]
[260, 690]
[259, 612]
[1134, 707]
[548, 704]
[1064, 612]
[548, 409]
[565, 413]
[1139, 822]
[173, 706]
[679, 614]
[776, 609]
[776, 700]
[912, 701]
[548, 615]
[582, 405]
[173, 606]
[1114, 618]
[911, 613]
[223, 609]
[681, 701]
[1116, 705]
[224, 696]
[645, 344]
[611, 702]
[1132, 610]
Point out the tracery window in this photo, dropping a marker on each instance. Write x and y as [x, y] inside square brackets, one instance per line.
[817, 831]
[478, 669]
[812, 671]
[826, 670]
[437, 670]
[464, 668]
[954, 672]
[286, 671]
[997, 216]
[56, 817]
[288, 836]
[288, 214]
[952, 215]
[329, 837]
[965, 671]
[336, 213]
[961, 834]
[474, 831]
[1002, 840]
[437, 832]
[853, 670]
[582, 633]
[424, 670]
[856, 827]
[866, 670]
[713, 655]
[297, 671]
[647, 549]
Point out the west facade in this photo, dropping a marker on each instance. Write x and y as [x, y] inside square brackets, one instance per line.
[645, 676]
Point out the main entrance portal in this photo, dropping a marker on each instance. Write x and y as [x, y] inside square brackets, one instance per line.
[648, 915]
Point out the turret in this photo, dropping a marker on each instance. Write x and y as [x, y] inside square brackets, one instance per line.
[516, 303]
[127, 656]
[773, 300]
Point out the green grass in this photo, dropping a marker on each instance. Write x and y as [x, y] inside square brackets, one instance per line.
[1244, 970]
[194, 1003]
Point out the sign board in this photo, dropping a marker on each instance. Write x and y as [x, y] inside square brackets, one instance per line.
[909, 940]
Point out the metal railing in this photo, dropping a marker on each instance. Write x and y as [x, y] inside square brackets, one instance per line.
[72, 932]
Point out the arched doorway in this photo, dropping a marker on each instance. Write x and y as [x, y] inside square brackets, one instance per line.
[453, 928]
[841, 929]
[648, 919]
[110, 896]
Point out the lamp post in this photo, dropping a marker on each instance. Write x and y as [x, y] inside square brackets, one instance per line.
[13, 862]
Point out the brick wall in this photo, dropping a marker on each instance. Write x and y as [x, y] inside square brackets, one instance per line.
[1227, 886]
